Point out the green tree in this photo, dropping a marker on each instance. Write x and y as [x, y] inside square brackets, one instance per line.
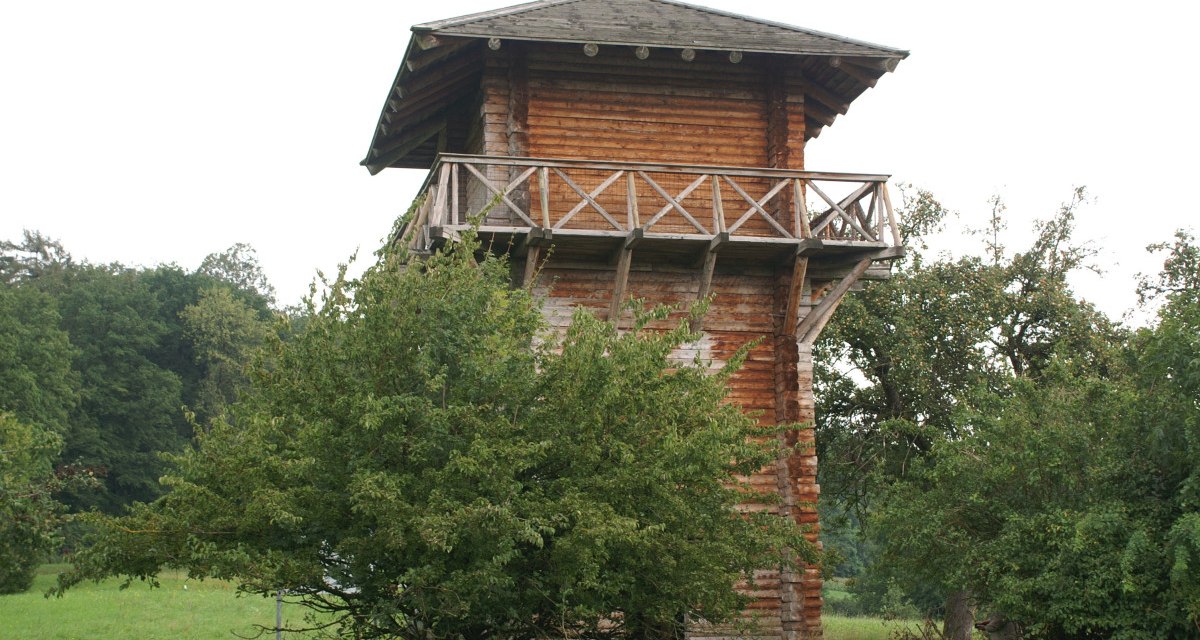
[1067, 500]
[28, 511]
[224, 332]
[130, 406]
[905, 360]
[37, 383]
[1167, 370]
[35, 256]
[238, 267]
[425, 461]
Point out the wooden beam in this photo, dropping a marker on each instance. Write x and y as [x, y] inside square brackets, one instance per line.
[778, 152]
[404, 138]
[409, 145]
[631, 200]
[891, 214]
[705, 288]
[518, 102]
[795, 291]
[856, 72]
[674, 168]
[811, 325]
[826, 97]
[633, 239]
[619, 285]
[531, 266]
[629, 240]
[820, 113]
[544, 195]
[427, 41]
[874, 64]
[423, 60]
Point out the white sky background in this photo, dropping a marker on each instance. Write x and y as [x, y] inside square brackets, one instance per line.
[159, 131]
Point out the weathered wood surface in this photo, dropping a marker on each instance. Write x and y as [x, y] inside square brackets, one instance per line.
[687, 202]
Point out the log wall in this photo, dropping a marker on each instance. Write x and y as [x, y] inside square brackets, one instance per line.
[552, 101]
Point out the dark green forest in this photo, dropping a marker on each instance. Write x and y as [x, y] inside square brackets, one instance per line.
[103, 369]
[992, 446]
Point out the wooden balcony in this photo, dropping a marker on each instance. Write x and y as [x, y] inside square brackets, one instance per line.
[588, 210]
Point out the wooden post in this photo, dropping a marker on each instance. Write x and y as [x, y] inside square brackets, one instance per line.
[887, 202]
[802, 209]
[795, 290]
[631, 200]
[544, 195]
[454, 217]
[622, 280]
[718, 207]
[531, 265]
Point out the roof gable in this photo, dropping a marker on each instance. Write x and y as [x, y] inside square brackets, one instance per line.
[429, 107]
[650, 22]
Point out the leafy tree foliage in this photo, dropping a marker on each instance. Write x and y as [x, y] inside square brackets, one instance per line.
[35, 256]
[1003, 440]
[902, 362]
[224, 332]
[129, 405]
[239, 268]
[426, 461]
[37, 383]
[101, 355]
[28, 511]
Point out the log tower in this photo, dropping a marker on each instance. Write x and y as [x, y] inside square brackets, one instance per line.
[653, 149]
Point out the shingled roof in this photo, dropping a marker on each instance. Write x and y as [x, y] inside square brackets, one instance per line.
[653, 23]
[445, 59]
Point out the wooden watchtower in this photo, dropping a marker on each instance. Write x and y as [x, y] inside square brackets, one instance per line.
[653, 149]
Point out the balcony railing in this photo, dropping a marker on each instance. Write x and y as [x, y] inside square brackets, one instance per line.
[579, 198]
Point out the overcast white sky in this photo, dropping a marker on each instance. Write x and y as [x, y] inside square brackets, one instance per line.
[161, 131]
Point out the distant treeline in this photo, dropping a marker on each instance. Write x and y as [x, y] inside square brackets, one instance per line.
[121, 363]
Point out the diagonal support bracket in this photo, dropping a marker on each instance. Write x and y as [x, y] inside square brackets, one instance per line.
[812, 324]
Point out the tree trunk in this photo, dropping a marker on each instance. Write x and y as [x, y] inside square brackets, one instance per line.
[960, 620]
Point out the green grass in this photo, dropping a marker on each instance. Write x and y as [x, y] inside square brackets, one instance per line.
[209, 609]
[843, 628]
[205, 609]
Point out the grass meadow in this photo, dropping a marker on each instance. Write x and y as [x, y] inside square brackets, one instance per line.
[179, 609]
[183, 609]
